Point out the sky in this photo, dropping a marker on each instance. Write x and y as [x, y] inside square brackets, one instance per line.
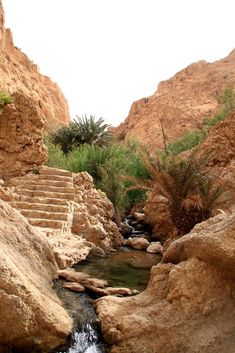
[106, 54]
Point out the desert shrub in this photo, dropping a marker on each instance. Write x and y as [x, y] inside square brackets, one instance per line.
[227, 100]
[189, 192]
[187, 141]
[5, 99]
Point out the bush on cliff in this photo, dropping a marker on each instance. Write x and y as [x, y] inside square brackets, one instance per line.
[189, 192]
[5, 99]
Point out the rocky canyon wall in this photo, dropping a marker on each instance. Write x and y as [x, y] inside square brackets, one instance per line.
[19, 74]
[38, 105]
[181, 103]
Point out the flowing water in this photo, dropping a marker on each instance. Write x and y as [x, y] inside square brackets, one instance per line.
[126, 268]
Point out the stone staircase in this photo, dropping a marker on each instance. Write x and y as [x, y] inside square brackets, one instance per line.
[46, 199]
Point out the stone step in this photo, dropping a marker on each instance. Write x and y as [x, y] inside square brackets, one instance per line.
[37, 181]
[40, 207]
[53, 189]
[44, 215]
[54, 171]
[47, 223]
[49, 232]
[45, 194]
[43, 200]
[55, 178]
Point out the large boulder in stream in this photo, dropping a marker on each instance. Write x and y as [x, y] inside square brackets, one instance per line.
[32, 317]
[189, 304]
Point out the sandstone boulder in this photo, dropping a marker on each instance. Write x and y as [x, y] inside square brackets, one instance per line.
[155, 248]
[69, 249]
[188, 306]
[94, 213]
[137, 243]
[31, 314]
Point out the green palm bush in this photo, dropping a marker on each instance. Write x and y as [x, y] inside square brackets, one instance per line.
[187, 189]
[82, 130]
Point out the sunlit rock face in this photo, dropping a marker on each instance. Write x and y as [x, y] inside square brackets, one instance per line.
[21, 137]
[181, 103]
[38, 105]
[189, 303]
[19, 73]
[32, 317]
[94, 214]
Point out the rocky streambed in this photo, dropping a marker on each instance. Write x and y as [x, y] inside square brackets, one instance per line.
[125, 268]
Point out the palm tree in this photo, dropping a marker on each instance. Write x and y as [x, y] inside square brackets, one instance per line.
[189, 192]
[82, 130]
[91, 131]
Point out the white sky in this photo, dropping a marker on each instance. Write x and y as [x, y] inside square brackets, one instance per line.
[105, 54]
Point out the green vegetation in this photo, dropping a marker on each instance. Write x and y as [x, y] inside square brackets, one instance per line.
[106, 165]
[81, 131]
[5, 99]
[189, 192]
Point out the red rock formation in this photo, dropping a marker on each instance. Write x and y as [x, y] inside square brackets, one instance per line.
[182, 102]
[18, 73]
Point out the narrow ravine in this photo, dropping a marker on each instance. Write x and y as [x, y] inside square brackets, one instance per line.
[125, 268]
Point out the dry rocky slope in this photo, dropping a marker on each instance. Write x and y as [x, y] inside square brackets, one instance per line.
[181, 102]
[38, 104]
[188, 306]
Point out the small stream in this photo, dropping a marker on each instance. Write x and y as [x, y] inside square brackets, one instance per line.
[125, 268]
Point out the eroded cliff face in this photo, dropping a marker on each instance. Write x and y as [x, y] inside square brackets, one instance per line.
[19, 74]
[21, 137]
[38, 106]
[181, 103]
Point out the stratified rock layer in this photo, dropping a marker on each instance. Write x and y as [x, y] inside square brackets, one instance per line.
[31, 314]
[182, 102]
[188, 306]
